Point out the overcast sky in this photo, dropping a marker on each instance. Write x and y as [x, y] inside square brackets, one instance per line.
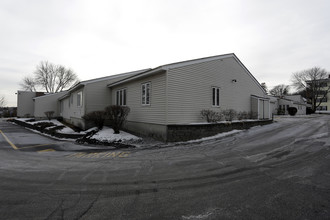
[97, 38]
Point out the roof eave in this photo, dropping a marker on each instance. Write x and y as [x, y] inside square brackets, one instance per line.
[138, 76]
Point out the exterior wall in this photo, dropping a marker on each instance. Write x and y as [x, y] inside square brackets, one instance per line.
[193, 132]
[151, 114]
[47, 103]
[155, 131]
[25, 103]
[301, 108]
[325, 106]
[189, 89]
[64, 108]
[98, 95]
[70, 111]
[285, 103]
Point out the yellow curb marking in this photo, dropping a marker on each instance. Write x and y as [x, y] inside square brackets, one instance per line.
[47, 150]
[99, 155]
[11, 144]
[40, 145]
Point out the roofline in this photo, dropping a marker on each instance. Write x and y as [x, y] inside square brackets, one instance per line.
[50, 94]
[104, 78]
[260, 97]
[140, 75]
[185, 63]
[170, 66]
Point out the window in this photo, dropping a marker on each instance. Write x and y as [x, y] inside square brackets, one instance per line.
[215, 97]
[145, 93]
[79, 99]
[322, 108]
[121, 97]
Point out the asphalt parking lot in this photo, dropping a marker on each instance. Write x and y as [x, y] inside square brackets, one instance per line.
[278, 171]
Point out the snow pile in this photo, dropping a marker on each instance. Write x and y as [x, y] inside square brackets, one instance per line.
[107, 134]
[54, 121]
[66, 130]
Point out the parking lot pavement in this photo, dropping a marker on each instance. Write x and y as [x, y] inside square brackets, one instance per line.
[277, 171]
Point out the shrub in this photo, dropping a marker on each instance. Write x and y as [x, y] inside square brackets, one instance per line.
[243, 115]
[117, 115]
[230, 114]
[292, 111]
[280, 111]
[309, 111]
[49, 115]
[43, 125]
[211, 116]
[97, 117]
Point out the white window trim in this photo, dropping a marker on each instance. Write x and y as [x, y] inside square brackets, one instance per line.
[145, 85]
[216, 97]
[123, 101]
[81, 99]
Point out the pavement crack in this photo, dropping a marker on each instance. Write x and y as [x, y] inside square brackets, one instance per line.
[90, 206]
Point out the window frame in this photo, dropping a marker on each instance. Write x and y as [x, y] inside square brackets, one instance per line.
[146, 97]
[121, 97]
[79, 99]
[215, 97]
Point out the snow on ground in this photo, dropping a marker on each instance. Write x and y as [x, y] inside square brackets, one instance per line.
[107, 134]
[220, 135]
[323, 112]
[66, 130]
[221, 122]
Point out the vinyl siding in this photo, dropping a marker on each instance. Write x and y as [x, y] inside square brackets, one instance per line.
[47, 103]
[25, 103]
[153, 113]
[73, 110]
[97, 96]
[65, 108]
[190, 89]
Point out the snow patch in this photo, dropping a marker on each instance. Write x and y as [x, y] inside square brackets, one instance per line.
[107, 134]
[220, 135]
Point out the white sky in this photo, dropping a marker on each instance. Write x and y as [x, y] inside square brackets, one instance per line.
[97, 38]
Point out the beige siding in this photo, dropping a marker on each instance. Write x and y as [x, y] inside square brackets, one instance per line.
[65, 108]
[25, 103]
[190, 89]
[74, 111]
[47, 103]
[155, 112]
[97, 96]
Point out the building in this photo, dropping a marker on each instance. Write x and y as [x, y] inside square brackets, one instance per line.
[163, 97]
[87, 96]
[47, 103]
[25, 103]
[325, 101]
[175, 94]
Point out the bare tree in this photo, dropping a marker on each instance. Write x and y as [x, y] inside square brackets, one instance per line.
[314, 82]
[2, 101]
[264, 86]
[280, 90]
[28, 84]
[50, 77]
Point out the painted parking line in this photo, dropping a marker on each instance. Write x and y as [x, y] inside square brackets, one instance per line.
[39, 145]
[9, 142]
[46, 150]
[83, 155]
